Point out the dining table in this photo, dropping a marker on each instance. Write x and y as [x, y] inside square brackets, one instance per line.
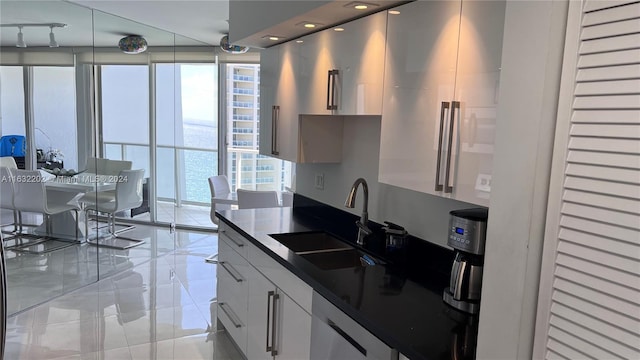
[69, 189]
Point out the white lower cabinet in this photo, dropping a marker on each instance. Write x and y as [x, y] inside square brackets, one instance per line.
[262, 319]
[278, 327]
[232, 274]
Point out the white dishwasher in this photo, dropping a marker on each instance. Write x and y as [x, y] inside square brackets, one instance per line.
[335, 336]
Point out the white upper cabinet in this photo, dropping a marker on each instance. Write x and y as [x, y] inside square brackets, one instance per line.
[341, 72]
[440, 90]
[279, 102]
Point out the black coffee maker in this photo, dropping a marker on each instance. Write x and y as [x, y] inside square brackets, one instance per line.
[467, 235]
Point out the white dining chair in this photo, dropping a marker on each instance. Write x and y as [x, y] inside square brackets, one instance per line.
[219, 187]
[252, 199]
[6, 194]
[30, 195]
[128, 195]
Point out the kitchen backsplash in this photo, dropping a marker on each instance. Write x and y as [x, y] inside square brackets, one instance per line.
[424, 216]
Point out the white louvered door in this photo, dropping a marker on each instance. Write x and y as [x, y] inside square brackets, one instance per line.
[589, 301]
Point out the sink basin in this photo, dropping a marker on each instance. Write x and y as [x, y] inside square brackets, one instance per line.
[311, 242]
[341, 259]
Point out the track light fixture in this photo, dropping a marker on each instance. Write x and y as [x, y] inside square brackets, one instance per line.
[52, 37]
[20, 43]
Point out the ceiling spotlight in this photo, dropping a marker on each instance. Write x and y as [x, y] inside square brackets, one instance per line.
[394, 12]
[273, 37]
[299, 41]
[132, 44]
[338, 29]
[230, 48]
[360, 5]
[20, 43]
[52, 39]
[310, 25]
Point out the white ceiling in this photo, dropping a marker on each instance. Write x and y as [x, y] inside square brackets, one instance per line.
[193, 21]
[202, 20]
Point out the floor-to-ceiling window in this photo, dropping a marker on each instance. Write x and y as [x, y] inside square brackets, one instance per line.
[54, 114]
[12, 100]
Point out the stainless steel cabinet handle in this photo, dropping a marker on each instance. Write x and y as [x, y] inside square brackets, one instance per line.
[329, 78]
[232, 316]
[346, 336]
[443, 106]
[331, 89]
[238, 244]
[274, 332]
[228, 269]
[275, 114]
[447, 188]
[270, 294]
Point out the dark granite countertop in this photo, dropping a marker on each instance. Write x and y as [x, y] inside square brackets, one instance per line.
[400, 302]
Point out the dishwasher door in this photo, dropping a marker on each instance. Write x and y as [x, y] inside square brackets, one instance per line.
[335, 336]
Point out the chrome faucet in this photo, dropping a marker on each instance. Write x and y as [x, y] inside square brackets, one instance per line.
[363, 228]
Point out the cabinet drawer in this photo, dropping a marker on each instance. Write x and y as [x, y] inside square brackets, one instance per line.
[236, 328]
[234, 239]
[284, 279]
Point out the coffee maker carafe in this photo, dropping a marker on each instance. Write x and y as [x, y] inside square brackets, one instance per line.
[467, 235]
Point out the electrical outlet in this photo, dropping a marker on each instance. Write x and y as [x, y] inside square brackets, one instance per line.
[319, 181]
[483, 182]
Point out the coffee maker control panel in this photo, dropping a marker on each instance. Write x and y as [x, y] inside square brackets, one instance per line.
[467, 231]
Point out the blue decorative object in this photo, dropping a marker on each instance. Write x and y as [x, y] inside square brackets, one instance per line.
[233, 49]
[132, 44]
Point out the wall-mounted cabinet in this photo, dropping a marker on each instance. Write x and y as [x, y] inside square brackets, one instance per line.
[440, 97]
[341, 72]
[284, 133]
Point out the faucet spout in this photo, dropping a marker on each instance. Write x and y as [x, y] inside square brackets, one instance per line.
[363, 228]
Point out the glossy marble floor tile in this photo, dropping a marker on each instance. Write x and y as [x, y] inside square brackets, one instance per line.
[156, 301]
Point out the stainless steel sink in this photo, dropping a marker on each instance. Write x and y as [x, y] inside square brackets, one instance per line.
[325, 251]
[311, 242]
[341, 259]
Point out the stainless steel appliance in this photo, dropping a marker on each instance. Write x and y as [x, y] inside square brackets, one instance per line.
[335, 336]
[467, 235]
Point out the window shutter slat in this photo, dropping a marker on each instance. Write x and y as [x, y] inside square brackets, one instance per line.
[597, 228]
[611, 29]
[618, 87]
[611, 14]
[604, 144]
[602, 187]
[616, 116]
[621, 72]
[614, 275]
[624, 57]
[607, 102]
[619, 160]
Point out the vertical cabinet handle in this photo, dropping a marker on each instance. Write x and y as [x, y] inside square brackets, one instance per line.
[238, 244]
[447, 188]
[275, 114]
[443, 106]
[331, 89]
[273, 315]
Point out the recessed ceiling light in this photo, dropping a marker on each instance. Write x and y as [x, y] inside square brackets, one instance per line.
[273, 37]
[338, 29]
[299, 41]
[394, 12]
[360, 5]
[310, 25]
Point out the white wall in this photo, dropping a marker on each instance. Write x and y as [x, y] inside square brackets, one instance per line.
[423, 215]
[529, 87]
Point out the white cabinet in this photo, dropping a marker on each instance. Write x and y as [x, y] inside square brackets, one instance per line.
[278, 327]
[264, 307]
[278, 102]
[232, 290]
[284, 133]
[341, 72]
[440, 97]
